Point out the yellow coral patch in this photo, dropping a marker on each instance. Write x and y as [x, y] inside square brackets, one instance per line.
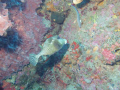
[96, 58]
[101, 3]
[95, 48]
[88, 51]
[114, 16]
[117, 30]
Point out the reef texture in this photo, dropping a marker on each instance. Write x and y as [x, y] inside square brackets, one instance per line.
[4, 19]
[30, 28]
[88, 62]
[98, 38]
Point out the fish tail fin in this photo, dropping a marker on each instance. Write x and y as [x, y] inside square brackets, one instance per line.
[33, 59]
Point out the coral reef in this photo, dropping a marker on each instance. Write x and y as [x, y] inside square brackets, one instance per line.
[89, 61]
[31, 29]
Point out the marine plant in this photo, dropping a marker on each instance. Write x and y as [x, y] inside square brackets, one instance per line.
[11, 40]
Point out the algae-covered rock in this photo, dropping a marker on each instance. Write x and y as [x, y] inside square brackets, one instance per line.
[58, 17]
[23, 80]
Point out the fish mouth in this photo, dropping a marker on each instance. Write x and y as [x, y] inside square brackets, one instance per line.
[63, 41]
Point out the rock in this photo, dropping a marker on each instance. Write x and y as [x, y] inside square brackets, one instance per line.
[57, 17]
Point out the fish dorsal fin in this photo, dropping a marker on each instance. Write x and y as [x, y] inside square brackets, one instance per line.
[49, 40]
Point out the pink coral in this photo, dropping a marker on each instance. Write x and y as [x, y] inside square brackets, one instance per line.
[4, 20]
[108, 55]
[115, 45]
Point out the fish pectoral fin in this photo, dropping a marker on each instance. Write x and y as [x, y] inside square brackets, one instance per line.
[44, 57]
[41, 47]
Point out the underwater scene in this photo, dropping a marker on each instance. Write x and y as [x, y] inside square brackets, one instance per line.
[59, 44]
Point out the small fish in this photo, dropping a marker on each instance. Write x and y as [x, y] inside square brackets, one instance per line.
[78, 16]
[50, 46]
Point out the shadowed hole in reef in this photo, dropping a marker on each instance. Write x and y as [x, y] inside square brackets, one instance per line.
[53, 60]
[1, 88]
